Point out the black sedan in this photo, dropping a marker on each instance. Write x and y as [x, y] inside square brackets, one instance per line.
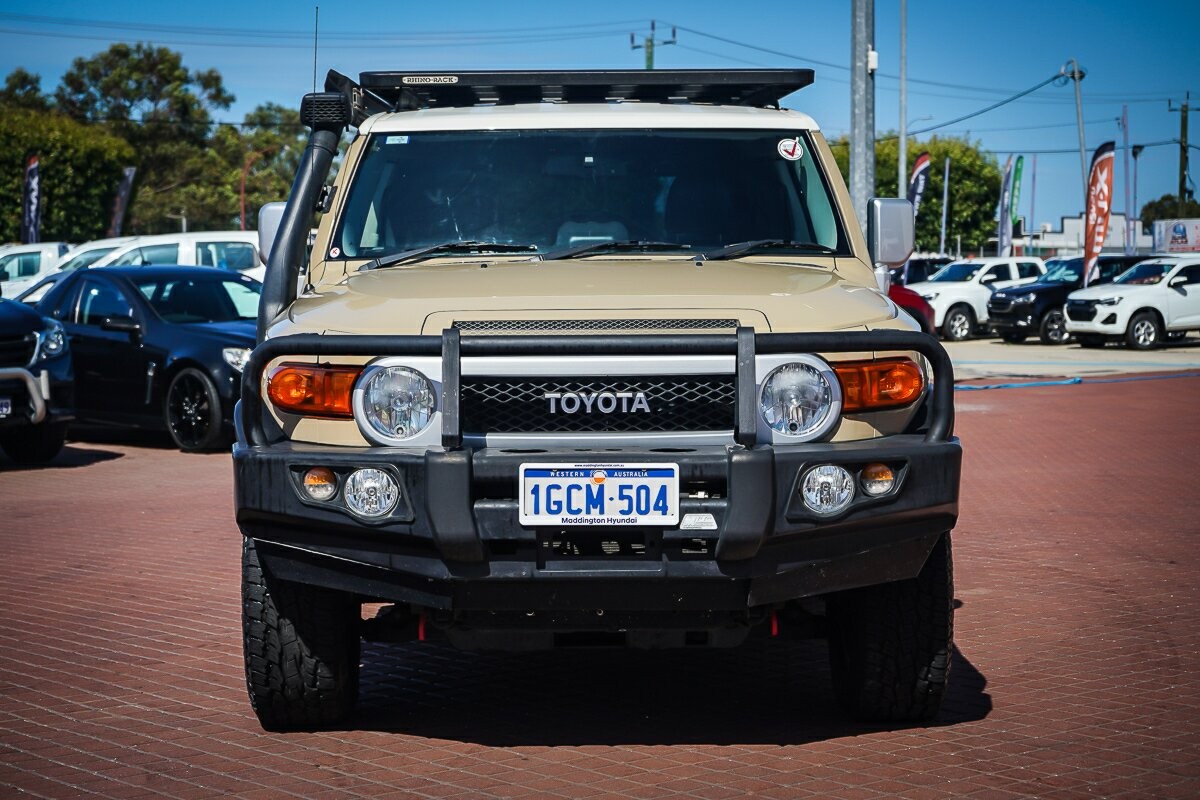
[158, 346]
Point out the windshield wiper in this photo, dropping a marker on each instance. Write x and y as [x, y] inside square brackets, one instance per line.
[467, 247]
[600, 247]
[729, 251]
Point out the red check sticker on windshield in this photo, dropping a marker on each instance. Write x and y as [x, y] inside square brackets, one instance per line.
[790, 149]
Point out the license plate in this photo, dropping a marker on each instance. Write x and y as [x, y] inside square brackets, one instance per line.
[599, 494]
[5, 406]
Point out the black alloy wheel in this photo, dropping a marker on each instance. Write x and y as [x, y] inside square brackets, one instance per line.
[192, 411]
[1054, 328]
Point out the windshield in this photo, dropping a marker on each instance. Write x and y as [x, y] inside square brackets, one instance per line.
[565, 188]
[201, 299]
[1063, 270]
[86, 258]
[958, 272]
[1146, 272]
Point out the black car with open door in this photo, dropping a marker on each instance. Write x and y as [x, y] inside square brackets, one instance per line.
[158, 347]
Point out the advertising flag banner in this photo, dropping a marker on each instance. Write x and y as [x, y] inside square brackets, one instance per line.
[121, 201]
[1099, 205]
[1016, 189]
[917, 181]
[1004, 225]
[31, 208]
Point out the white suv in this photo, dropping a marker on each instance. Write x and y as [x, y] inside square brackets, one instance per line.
[23, 265]
[1145, 304]
[959, 291]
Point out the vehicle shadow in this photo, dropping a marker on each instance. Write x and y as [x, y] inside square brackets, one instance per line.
[68, 458]
[134, 437]
[766, 692]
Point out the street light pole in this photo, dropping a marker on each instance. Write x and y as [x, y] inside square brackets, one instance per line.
[1076, 74]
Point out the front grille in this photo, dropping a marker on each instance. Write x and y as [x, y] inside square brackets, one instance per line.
[17, 351]
[1081, 310]
[677, 403]
[582, 326]
[999, 304]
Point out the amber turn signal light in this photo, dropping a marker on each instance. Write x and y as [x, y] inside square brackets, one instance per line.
[313, 390]
[875, 385]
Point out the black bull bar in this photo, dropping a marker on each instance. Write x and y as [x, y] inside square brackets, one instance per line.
[744, 344]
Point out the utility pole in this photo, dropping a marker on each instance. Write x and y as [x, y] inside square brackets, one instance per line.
[1183, 147]
[1136, 150]
[863, 63]
[649, 43]
[1076, 74]
[1129, 230]
[902, 170]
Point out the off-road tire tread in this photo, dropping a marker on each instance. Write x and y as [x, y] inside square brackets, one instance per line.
[301, 648]
[891, 644]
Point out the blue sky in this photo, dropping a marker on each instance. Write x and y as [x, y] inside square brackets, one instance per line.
[962, 57]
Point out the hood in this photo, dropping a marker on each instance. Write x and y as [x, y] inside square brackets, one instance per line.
[1102, 290]
[235, 333]
[18, 319]
[1038, 288]
[427, 297]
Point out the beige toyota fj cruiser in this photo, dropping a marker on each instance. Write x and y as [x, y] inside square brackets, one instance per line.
[588, 359]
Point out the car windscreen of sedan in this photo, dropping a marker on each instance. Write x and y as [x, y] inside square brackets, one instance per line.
[1148, 272]
[956, 273]
[201, 299]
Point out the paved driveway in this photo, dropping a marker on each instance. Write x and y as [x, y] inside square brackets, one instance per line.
[1077, 672]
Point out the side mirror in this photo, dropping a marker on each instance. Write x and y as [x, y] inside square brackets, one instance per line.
[988, 279]
[1178, 280]
[889, 231]
[269, 217]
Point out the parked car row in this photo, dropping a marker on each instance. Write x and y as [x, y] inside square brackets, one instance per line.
[22, 266]
[148, 347]
[1140, 300]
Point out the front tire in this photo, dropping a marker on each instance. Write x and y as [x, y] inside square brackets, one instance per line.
[1053, 329]
[959, 324]
[301, 645]
[192, 411]
[1144, 331]
[35, 444]
[890, 645]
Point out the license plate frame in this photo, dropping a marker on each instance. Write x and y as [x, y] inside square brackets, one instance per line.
[606, 494]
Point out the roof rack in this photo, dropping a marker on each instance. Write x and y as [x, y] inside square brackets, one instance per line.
[404, 91]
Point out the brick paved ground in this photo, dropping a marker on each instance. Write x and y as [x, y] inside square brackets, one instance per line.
[1077, 673]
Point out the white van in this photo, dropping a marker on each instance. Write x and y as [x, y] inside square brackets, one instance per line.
[236, 251]
[23, 265]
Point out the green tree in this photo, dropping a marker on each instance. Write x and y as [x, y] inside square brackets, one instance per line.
[1167, 207]
[145, 95]
[23, 89]
[974, 187]
[80, 168]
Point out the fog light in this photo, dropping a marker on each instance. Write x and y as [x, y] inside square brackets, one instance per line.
[878, 479]
[827, 490]
[371, 492]
[320, 483]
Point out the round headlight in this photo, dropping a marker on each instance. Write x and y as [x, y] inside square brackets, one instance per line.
[797, 400]
[827, 490]
[398, 402]
[371, 492]
[54, 340]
